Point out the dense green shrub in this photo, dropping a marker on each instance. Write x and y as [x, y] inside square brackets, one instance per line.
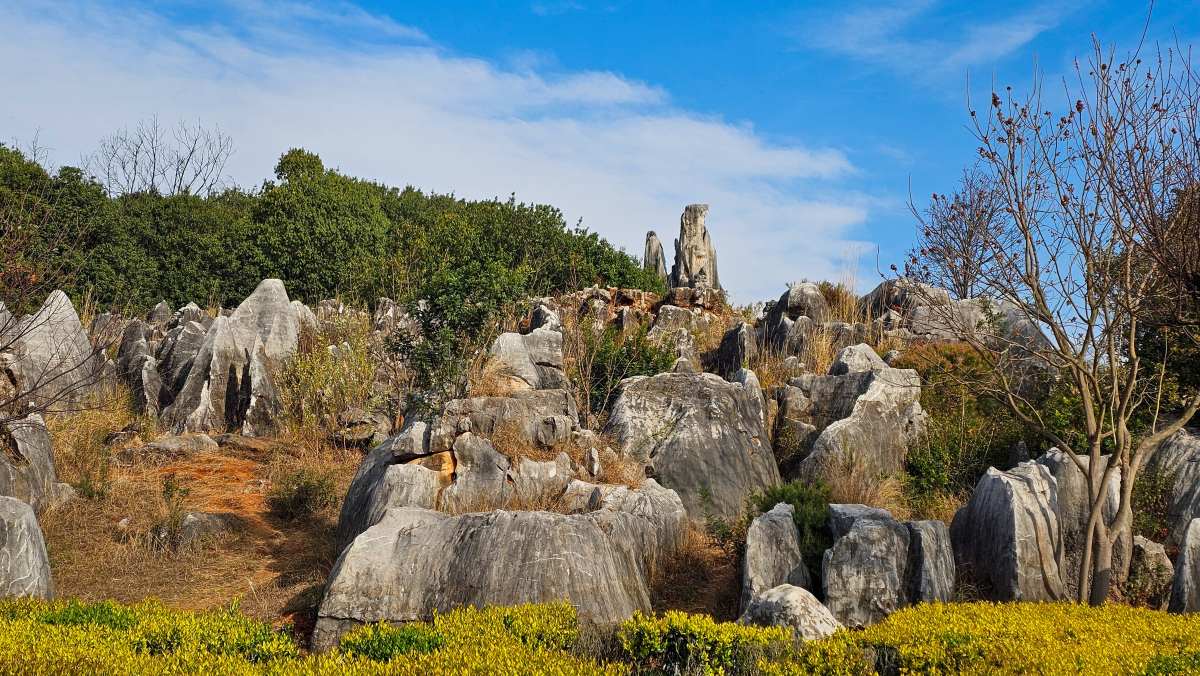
[381, 642]
[618, 355]
[1151, 503]
[810, 505]
[695, 644]
[301, 492]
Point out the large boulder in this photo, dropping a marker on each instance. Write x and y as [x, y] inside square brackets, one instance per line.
[701, 436]
[865, 573]
[930, 562]
[695, 258]
[137, 368]
[1178, 456]
[948, 321]
[1008, 537]
[27, 464]
[176, 353]
[24, 564]
[842, 517]
[543, 418]
[481, 477]
[773, 554]
[1151, 573]
[1185, 589]
[48, 355]
[529, 362]
[738, 346]
[414, 562]
[1074, 511]
[792, 608]
[230, 384]
[867, 417]
[901, 295]
[784, 328]
[654, 258]
[856, 359]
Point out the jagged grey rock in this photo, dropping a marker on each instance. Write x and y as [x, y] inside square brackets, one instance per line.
[138, 368]
[521, 361]
[1179, 456]
[773, 554]
[1018, 454]
[791, 607]
[27, 463]
[1185, 588]
[305, 317]
[903, 295]
[1074, 511]
[229, 386]
[738, 346]
[403, 486]
[195, 526]
[1008, 537]
[356, 515]
[481, 477]
[1152, 571]
[48, 355]
[865, 573]
[856, 359]
[696, 433]
[930, 562]
[541, 417]
[842, 517]
[695, 258]
[177, 352]
[414, 562]
[537, 484]
[949, 321]
[24, 564]
[544, 318]
[159, 315]
[867, 417]
[654, 259]
[784, 328]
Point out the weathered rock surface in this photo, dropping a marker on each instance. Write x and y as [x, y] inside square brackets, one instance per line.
[1179, 455]
[865, 573]
[1151, 573]
[24, 564]
[195, 526]
[902, 295]
[930, 562]
[1185, 589]
[794, 315]
[791, 607]
[540, 417]
[696, 433]
[695, 258]
[415, 561]
[856, 359]
[403, 486]
[176, 353]
[230, 384]
[27, 463]
[738, 346]
[138, 369]
[529, 362]
[773, 554]
[481, 477]
[842, 517]
[869, 417]
[48, 355]
[1008, 537]
[171, 448]
[654, 259]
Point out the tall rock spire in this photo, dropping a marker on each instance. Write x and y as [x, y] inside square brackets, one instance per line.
[654, 259]
[695, 258]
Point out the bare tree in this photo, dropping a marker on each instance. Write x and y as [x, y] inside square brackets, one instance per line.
[1093, 198]
[953, 232]
[144, 159]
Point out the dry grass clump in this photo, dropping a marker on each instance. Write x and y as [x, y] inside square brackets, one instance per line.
[508, 438]
[319, 382]
[851, 481]
[698, 578]
[940, 506]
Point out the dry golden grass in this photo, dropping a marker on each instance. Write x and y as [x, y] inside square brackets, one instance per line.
[103, 547]
[938, 507]
[852, 482]
[698, 578]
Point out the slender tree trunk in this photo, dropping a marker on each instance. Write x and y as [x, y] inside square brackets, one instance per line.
[1101, 566]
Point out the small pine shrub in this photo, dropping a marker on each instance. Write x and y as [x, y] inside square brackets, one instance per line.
[302, 492]
[381, 642]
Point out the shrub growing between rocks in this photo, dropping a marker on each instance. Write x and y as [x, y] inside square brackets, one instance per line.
[302, 492]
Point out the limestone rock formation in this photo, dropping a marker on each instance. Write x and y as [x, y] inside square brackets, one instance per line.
[542, 418]
[773, 554]
[138, 369]
[738, 346]
[654, 259]
[414, 561]
[901, 295]
[784, 328]
[230, 384]
[856, 359]
[1179, 455]
[48, 355]
[695, 258]
[27, 464]
[865, 573]
[1074, 511]
[24, 564]
[793, 608]
[842, 517]
[1185, 589]
[930, 562]
[1151, 572]
[697, 434]
[1008, 537]
[176, 353]
[529, 362]
[864, 416]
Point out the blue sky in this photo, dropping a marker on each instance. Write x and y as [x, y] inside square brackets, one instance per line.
[800, 124]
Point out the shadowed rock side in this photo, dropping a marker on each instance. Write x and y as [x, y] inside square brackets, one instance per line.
[415, 560]
[654, 259]
[24, 565]
[1179, 455]
[1008, 536]
[695, 258]
[1185, 588]
[229, 385]
[697, 434]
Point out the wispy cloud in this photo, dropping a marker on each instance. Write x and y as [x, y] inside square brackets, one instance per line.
[554, 8]
[602, 147]
[897, 35]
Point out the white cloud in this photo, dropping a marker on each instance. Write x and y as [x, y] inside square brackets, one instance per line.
[599, 146]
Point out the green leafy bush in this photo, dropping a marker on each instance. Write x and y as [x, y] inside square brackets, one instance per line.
[301, 492]
[618, 355]
[1151, 503]
[381, 642]
[695, 644]
[810, 505]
